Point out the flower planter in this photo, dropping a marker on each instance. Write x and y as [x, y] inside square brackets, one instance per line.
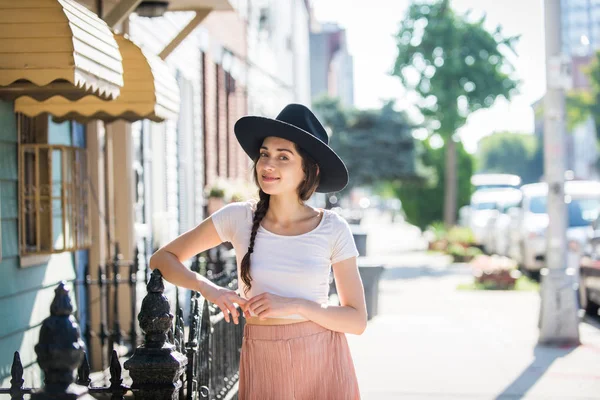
[495, 272]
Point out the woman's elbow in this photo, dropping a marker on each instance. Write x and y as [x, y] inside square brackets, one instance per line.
[154, 261]
[361, 326]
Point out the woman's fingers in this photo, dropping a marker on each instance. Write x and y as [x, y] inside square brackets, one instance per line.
[240, 301]
[256, 299]
[233, 311]
[260, 310]
[255, 305]
[229, 310]
[224, 310]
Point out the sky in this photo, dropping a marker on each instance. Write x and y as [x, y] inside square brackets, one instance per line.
[370, 27]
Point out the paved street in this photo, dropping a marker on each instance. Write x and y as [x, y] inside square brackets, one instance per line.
[431, 341]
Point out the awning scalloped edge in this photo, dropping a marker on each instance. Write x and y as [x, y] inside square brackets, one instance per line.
[149, 92]
[84, 59]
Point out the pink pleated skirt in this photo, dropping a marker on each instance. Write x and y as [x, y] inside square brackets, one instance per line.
[302, 361]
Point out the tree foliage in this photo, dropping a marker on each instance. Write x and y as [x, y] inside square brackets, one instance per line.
[583, 103]
[376, 145]
[456, 67]
[422, 201]
[511, 153]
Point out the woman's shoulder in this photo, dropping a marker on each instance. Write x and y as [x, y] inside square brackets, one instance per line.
[334, 215]
[238, 209]
[335, 219]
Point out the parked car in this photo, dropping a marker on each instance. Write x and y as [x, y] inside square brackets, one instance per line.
[498, 226]
[589, 273]
[589, 270]
[529, 222]
[484, 207]
[495, 181]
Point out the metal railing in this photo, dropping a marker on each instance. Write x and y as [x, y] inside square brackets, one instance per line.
[111, 277]
[166, 366]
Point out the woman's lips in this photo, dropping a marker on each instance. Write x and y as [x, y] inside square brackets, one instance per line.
[269, 179]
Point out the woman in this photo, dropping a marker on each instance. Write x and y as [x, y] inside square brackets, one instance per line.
[294, 344]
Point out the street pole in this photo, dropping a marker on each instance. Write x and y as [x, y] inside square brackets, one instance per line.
[559, 321]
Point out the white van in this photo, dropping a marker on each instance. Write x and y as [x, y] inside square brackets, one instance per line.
[495, 181]
[529, 222]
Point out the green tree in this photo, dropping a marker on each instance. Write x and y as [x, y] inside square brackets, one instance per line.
[423, 200]
[376, 145]
[456, 67]
[511, 153]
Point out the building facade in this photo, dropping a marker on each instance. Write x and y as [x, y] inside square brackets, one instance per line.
[580, 20]
[122, 156]
[278, 55]
[580, 24]
[332, 67]
[580, 29]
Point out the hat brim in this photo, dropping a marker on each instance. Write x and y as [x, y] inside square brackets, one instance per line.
[251, 131]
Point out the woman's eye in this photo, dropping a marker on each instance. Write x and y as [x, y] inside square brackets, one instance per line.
[284, 158]
[263, 154]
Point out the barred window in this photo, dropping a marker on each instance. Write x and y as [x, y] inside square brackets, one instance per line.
[53, 206]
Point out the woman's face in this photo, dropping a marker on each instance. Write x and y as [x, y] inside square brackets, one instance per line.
[279, 167]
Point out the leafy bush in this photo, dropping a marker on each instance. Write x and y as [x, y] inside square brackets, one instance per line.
[423, 200]
[461, 235]
[230, 190]
[438, 230]
[461, 253]
[473, 252]
[456, 250]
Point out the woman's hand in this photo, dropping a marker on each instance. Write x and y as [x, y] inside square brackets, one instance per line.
[225, 299]
[270, 305]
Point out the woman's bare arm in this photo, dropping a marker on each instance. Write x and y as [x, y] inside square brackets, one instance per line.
[351, 315]
[169, 260]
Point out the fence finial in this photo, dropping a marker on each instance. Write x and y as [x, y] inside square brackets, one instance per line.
[155, 317]
[60, 350]
[156, 367]
[16, 372]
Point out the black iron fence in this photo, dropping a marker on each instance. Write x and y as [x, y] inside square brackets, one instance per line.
[111, 277]
[165, 366]
[118, 273]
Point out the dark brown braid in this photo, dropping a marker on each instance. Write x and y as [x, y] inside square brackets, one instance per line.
[261, 210]
[305, 190]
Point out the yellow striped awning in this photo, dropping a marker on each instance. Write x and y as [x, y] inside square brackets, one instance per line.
[191, 5]
[56, 47]
[149, 92]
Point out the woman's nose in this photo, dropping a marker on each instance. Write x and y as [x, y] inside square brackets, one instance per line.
[267, 164]
[268, 167]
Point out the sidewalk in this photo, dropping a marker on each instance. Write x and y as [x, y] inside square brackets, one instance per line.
[431, 341]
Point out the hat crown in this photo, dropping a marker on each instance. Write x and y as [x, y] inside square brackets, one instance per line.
[301, 117]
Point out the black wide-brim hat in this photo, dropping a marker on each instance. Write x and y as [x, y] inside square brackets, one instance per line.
[297, 124]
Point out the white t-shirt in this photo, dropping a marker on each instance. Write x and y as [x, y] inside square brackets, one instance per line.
[292, 266]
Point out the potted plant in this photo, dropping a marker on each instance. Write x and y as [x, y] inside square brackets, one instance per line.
[436, 236]
[215, 197]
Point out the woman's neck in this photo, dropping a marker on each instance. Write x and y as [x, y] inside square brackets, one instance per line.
[285, 210]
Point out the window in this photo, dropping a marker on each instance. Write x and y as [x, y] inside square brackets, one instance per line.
[537, 204]
[53, 192]
[484, 206]
[582, 211]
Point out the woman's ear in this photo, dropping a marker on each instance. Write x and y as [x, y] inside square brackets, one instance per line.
[318, 170]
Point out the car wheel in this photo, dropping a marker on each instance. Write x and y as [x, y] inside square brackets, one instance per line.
[591, 308]
[581, 295]
[521, 250]
[585, 303]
